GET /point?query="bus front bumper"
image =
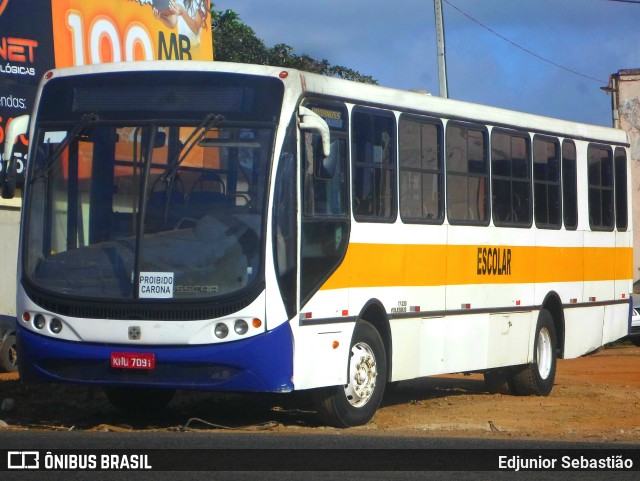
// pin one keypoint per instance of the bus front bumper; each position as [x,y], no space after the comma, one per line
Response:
[262,363]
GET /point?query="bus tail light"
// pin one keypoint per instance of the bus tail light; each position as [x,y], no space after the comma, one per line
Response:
[256,323]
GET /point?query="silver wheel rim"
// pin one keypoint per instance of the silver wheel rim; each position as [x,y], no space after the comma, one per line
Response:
[544,353]
[363,373]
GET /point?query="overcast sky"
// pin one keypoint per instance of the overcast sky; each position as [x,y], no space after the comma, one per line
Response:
[394,42]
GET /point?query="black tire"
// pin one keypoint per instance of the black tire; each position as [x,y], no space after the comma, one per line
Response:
[139,399]
[9,354]
[536,379]
[354,404]
[499,381]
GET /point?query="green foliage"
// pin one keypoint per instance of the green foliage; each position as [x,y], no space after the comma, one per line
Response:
[233,41]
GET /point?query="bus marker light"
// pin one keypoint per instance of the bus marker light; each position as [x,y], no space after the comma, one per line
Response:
[574,301]
[256,323]
[39,321]
[26,317]
[466,306]
[48,75]
[284,74]
[335,344]
[518,302]
[345,312]
[592,299]
[305,315]
[414,308]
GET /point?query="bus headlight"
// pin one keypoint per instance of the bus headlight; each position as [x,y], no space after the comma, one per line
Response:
[39,321]
[221,330]
[241,327]
[55,325]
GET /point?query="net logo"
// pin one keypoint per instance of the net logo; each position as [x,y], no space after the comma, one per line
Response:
[23,460]
[3,5]
[16,49]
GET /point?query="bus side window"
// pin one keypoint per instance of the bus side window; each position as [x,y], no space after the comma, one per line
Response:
[511,178]
[546,183]
[569,185]
[467,174]
[374,165]
[621,189]
[601,211]
[324,186]
[421,170]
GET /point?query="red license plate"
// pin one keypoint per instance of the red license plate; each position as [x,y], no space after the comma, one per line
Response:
[133,360]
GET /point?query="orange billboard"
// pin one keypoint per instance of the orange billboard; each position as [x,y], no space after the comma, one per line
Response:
[37,35]
[89,32]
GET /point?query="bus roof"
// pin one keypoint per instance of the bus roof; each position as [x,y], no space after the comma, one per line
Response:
[375,95]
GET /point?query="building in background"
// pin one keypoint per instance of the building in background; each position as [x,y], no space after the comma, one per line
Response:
[624,87]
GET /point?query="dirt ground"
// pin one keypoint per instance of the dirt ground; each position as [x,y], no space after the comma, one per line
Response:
[595,398]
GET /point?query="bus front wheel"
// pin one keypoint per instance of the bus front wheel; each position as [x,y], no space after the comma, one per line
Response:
[537,378]
[9,354]
[355,403]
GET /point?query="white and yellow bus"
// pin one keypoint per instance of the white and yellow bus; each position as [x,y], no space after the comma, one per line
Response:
[233,227]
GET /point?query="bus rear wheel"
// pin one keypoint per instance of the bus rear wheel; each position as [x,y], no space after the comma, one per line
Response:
[355,403]
[536,379]
[139,399]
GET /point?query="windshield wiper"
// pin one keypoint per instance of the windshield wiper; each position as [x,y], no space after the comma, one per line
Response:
[196,136]
[77,129]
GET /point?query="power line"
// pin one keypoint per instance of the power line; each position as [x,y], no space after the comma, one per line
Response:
[526,50]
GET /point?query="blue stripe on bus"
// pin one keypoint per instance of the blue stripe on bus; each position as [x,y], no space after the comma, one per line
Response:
[263,363]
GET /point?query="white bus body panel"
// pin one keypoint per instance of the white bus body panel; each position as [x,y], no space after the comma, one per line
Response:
[161,333]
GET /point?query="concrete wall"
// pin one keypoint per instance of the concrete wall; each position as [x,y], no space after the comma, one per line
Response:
[9,231]
[625,86]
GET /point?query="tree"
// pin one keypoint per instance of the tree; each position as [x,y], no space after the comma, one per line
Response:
[234,41]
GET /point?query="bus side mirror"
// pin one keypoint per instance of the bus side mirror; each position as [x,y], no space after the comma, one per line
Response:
[15,129]
[309,120]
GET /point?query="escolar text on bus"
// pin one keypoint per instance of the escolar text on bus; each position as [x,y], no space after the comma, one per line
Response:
[494,261]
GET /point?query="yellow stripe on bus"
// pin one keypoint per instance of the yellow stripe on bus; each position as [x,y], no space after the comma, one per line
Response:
[388,265]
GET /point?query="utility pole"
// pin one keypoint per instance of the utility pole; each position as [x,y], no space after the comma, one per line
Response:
[442,61]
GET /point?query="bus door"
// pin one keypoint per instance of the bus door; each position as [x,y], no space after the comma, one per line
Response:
[325,224]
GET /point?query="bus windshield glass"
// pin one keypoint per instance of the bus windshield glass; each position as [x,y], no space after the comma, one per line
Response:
[127,202]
